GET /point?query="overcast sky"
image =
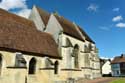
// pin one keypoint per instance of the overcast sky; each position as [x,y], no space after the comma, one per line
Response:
[103,20]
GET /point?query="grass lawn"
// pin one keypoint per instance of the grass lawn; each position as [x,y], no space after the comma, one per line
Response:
[118,81]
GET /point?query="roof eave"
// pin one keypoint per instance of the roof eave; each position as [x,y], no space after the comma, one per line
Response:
[30,53]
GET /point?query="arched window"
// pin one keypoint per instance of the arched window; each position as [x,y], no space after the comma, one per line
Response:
[75,55]
[56,67]
[0,64]
[48,63]
[32,66]
[20,61]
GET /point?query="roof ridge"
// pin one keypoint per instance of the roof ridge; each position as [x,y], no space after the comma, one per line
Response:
[14,14]
[39,8]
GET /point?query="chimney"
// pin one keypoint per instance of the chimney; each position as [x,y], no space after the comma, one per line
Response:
[122,55]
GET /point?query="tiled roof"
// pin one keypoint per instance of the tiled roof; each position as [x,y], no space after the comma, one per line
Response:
[20,34]
[44,15]
[69,28]
[86,36]
[118,59]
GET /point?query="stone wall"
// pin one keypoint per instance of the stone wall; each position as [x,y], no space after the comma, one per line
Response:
[12,74]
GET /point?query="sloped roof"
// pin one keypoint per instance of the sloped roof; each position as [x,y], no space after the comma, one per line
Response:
[69,28]
[20,34]
[86,36]
[6,16]
[44,15]
[118,59]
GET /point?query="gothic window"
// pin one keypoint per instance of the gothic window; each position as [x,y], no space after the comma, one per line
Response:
[32,66]
[20,61]
[75,55]
[0,64]
[56,67]
[48,63]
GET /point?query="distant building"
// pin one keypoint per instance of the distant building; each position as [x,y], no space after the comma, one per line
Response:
[106,67]
[118,66]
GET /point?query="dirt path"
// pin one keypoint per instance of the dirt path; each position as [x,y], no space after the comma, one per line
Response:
[98,80]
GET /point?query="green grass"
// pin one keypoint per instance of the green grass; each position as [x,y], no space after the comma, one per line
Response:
[118,81]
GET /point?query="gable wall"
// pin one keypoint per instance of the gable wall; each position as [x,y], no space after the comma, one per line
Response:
[54,27]
[35,17]
[106,68]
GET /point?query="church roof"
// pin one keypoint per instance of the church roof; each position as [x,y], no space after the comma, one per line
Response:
[69,28]
[86,36]
[20,34]
[44,15]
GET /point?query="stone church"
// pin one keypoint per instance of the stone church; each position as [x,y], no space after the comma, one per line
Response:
[46,48]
